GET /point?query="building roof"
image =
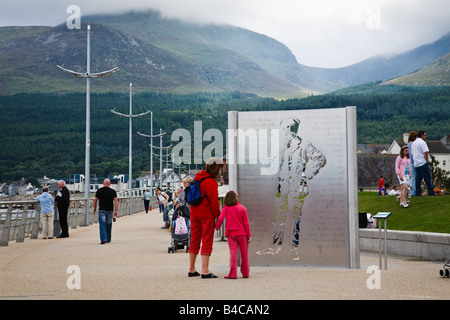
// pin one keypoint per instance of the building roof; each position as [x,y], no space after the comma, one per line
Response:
[371,148]
[436,146]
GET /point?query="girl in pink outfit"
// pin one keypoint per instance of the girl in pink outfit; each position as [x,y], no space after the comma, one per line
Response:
[403,171]
[237,230]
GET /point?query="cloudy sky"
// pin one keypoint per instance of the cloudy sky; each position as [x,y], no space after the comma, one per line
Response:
[323,33]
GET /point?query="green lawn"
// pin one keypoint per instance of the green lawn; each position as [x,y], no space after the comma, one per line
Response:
[428,214]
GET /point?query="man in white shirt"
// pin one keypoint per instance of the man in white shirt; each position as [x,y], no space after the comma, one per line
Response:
[420,153]
[394,191]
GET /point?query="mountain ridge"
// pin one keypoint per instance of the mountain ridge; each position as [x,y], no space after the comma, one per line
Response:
[172,56]
[383,68]
[151,68]
[435,74]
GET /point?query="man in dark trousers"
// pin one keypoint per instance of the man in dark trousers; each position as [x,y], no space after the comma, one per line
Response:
[109,204]
[63,201]
[420,152]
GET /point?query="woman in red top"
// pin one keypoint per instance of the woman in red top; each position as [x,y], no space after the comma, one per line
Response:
[203,218]
[237,230]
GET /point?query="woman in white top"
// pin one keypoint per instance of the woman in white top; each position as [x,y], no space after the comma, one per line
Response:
[162,198]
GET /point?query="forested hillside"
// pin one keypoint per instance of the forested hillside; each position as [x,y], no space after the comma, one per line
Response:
[44,134]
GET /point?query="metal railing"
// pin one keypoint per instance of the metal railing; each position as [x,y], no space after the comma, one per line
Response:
[21,219]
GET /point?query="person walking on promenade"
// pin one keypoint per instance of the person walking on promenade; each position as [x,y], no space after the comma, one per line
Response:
[411,138]
[237,230]
[47,212]
[147,196]
[62,202]
[203,218]
[108,207]
[420,154]
[403,171]
[162,199]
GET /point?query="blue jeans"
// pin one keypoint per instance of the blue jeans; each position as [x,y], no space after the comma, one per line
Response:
[105,219]
[424,173]
[166,212]
[413,181]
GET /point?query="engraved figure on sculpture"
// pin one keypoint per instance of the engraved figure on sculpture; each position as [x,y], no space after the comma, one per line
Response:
[300,162]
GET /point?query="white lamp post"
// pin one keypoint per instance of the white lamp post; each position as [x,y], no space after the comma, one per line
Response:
[88,75]
[151,136]
[130,161]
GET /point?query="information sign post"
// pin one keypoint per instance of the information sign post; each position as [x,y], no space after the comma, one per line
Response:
[382,216]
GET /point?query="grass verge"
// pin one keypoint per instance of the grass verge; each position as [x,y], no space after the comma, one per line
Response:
[425,213]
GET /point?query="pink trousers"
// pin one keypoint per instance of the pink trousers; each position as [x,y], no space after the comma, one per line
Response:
[241,242]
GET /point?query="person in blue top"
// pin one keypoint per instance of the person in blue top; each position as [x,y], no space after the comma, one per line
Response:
[383,190]
[46,201]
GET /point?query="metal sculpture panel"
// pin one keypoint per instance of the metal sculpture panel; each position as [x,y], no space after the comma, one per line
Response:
[291,170]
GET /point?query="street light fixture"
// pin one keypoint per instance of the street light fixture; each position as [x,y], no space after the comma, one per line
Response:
[151,136]
[160,155]
[88,75]
[130,161]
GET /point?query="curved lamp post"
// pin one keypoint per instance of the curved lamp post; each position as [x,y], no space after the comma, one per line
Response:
[88,75]
[130,159]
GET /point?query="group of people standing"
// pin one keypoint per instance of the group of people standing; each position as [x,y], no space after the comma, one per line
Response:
[207,217]
[108,207]
[411,167]
[46,200]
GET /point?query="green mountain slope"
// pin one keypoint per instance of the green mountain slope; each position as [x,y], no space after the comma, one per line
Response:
[30,58]
[198,40]
[170,56]
[194,39]
[434,74]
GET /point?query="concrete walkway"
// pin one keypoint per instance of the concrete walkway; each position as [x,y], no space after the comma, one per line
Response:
[136,265]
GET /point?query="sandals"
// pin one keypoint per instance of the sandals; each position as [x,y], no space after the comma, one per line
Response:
[204,276]
[208,276]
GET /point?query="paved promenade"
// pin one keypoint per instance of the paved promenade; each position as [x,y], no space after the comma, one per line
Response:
[136,265]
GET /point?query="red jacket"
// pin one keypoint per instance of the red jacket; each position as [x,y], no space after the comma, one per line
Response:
[210,206]
[237,221]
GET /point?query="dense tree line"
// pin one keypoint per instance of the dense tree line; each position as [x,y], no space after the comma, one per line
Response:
[42,134]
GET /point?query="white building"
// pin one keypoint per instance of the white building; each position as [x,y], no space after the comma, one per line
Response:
[169,179]
[146,181]
[77,183]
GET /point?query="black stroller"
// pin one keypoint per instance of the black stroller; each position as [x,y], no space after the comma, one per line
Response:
[180,235]
[445,271]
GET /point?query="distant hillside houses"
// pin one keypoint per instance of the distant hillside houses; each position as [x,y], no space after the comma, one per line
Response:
[376,160]
[76,183]
[120,183]
[17,188]
[168,178]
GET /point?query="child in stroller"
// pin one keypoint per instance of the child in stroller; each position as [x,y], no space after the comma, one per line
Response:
[180,235]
